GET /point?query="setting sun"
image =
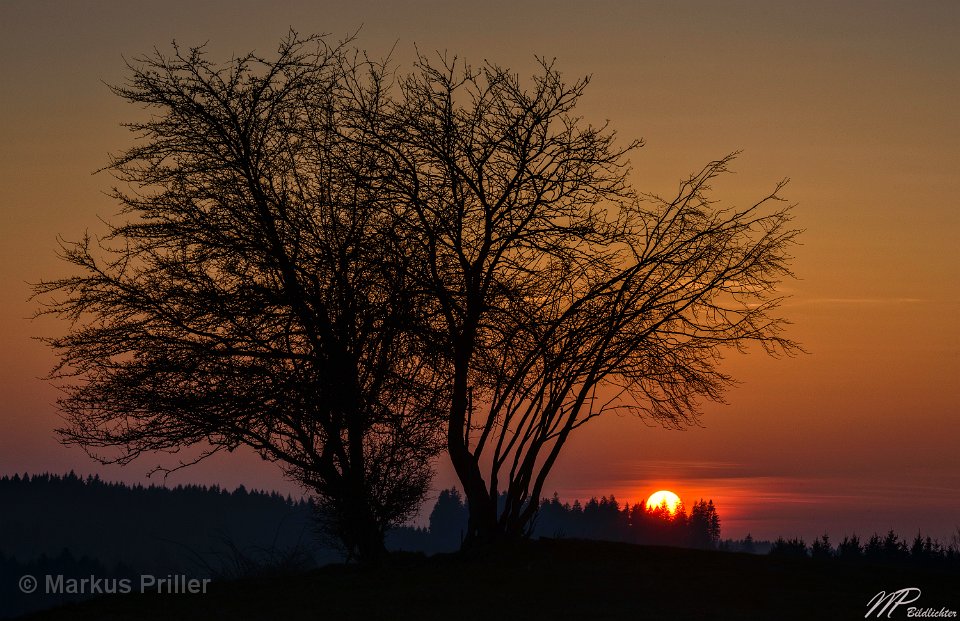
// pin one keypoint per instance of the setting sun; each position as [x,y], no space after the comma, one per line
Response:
[661,498]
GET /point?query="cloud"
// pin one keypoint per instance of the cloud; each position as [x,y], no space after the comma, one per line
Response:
[854,301]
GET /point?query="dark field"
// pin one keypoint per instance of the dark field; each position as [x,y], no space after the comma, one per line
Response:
[550,579]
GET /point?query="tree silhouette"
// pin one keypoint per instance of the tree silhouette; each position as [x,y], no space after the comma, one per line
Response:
[850,548]
[821,548]
[448,520]
[704,525]
[324,264]
[560,292]
[894,548]
[789,547]
[255,293]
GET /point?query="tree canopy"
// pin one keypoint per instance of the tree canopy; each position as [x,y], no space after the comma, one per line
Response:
[256,292]
[560,291]
[343,265]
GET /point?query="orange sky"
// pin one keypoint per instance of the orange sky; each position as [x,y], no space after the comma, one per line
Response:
[857,103]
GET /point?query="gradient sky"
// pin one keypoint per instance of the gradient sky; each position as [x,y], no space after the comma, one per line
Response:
[856,102]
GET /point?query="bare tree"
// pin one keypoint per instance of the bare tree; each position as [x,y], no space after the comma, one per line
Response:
[560,293]
[330,267]
[256,293]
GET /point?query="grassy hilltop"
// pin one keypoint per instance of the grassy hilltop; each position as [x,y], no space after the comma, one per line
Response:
[548,579]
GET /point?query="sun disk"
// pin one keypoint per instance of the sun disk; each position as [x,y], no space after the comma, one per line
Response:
[663,498]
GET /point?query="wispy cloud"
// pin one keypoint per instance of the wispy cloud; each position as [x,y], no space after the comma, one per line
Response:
[853,301]
[686,468]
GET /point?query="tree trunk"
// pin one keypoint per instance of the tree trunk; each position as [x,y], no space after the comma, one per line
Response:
[371,546]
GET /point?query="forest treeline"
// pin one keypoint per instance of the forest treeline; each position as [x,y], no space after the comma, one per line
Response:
[151,528]
[599,518]
[890,548]
[216,532]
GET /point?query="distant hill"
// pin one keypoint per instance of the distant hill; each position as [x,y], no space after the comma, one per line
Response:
[549,579]
[75,527]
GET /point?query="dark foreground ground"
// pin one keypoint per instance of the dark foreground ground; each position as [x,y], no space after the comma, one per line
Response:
[549,580]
